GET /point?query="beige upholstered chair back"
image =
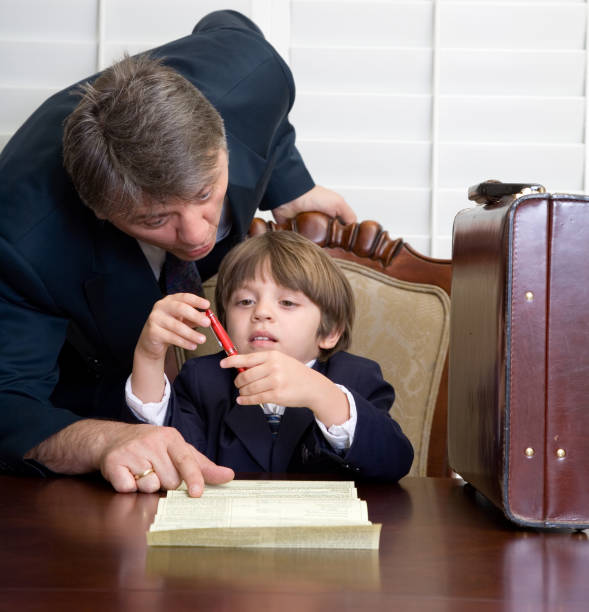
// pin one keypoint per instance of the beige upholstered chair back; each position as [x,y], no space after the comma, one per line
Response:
[405,328]
[401,324]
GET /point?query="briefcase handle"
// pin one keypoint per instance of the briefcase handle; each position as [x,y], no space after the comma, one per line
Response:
[490,192]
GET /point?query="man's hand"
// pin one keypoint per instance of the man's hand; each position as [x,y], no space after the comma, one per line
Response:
[120,451]
[319,198]
[138,448]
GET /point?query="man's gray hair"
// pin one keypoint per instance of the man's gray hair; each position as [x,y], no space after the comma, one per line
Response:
[141,133]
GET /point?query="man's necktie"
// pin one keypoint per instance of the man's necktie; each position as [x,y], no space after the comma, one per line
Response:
[179,276]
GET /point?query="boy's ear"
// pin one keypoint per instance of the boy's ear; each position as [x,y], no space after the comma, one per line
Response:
[329,341]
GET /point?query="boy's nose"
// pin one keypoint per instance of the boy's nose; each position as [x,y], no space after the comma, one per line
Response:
[259,316]
[262,311]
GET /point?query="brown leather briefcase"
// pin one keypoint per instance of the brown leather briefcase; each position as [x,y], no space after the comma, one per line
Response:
[518,413]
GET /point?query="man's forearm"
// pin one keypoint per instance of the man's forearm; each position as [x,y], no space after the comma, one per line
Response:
[78,448]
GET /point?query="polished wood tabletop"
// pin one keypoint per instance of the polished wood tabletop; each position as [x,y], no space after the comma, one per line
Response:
[74,544]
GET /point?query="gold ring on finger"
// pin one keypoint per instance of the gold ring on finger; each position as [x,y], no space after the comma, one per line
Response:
[147,472]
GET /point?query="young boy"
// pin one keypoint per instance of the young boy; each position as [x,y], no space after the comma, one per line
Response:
[301,404]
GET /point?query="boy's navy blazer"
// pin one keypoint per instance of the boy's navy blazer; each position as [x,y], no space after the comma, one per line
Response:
[60,265]
[202,407]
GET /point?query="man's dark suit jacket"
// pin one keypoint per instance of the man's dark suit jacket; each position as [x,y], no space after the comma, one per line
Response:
[202,407]
[60,264]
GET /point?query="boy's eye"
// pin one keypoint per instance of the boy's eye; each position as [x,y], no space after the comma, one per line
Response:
[287,303]
[245,302]
[205,195]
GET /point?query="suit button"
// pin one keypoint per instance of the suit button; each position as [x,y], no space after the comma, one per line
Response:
[305,454]
[95,367]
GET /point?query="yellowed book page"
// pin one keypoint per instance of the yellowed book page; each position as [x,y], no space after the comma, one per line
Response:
[350,537]
[282,488]
[186,512]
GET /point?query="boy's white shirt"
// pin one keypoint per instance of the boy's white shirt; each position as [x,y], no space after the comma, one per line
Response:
[340,437]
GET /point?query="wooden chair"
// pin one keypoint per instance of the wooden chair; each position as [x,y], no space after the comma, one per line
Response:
[402,322]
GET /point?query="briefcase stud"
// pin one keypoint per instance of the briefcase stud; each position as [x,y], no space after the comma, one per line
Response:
[529,296]
[561,453]
[529,452]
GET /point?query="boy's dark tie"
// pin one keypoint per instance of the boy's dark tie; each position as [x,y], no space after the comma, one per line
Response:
[274,423]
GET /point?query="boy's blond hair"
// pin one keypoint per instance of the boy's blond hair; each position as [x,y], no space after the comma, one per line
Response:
[299,264]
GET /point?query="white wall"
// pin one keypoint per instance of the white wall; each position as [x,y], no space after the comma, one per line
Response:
[401,104]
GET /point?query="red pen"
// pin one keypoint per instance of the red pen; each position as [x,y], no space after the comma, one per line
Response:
[224,339]
[222,336]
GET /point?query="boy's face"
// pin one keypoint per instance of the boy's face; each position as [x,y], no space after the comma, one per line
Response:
[263,316]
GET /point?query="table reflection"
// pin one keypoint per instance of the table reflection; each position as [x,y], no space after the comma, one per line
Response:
[294,568]
[88,510]
[545,570]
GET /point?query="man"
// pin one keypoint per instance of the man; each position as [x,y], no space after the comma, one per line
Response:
[151,168]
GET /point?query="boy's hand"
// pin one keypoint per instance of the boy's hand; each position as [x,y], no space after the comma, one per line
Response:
[272,376]
[172,321]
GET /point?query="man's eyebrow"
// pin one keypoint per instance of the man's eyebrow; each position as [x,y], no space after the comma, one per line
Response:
[151,215]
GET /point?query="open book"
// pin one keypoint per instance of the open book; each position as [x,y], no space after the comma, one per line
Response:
[266,514]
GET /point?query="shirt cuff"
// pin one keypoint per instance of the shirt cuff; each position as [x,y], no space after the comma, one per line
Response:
[340,437]
[151,412]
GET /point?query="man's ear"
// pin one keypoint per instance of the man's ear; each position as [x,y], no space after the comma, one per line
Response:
[329,341]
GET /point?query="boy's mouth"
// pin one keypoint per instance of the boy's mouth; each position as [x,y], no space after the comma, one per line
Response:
[261,337]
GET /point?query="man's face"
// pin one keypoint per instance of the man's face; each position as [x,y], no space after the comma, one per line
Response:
[186,228]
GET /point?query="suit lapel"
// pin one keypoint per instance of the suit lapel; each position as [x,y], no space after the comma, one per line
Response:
[249,424]
[122,291]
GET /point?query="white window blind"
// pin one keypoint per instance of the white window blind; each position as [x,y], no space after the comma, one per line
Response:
[401,104]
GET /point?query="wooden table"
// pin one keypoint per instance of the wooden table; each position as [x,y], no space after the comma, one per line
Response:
[74,544]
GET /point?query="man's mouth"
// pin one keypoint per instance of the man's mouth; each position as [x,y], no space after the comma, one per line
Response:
[199,251]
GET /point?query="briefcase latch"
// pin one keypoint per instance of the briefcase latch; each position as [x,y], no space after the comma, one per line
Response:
[490,192]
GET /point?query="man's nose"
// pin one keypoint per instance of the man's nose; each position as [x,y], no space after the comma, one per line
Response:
[193,229]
